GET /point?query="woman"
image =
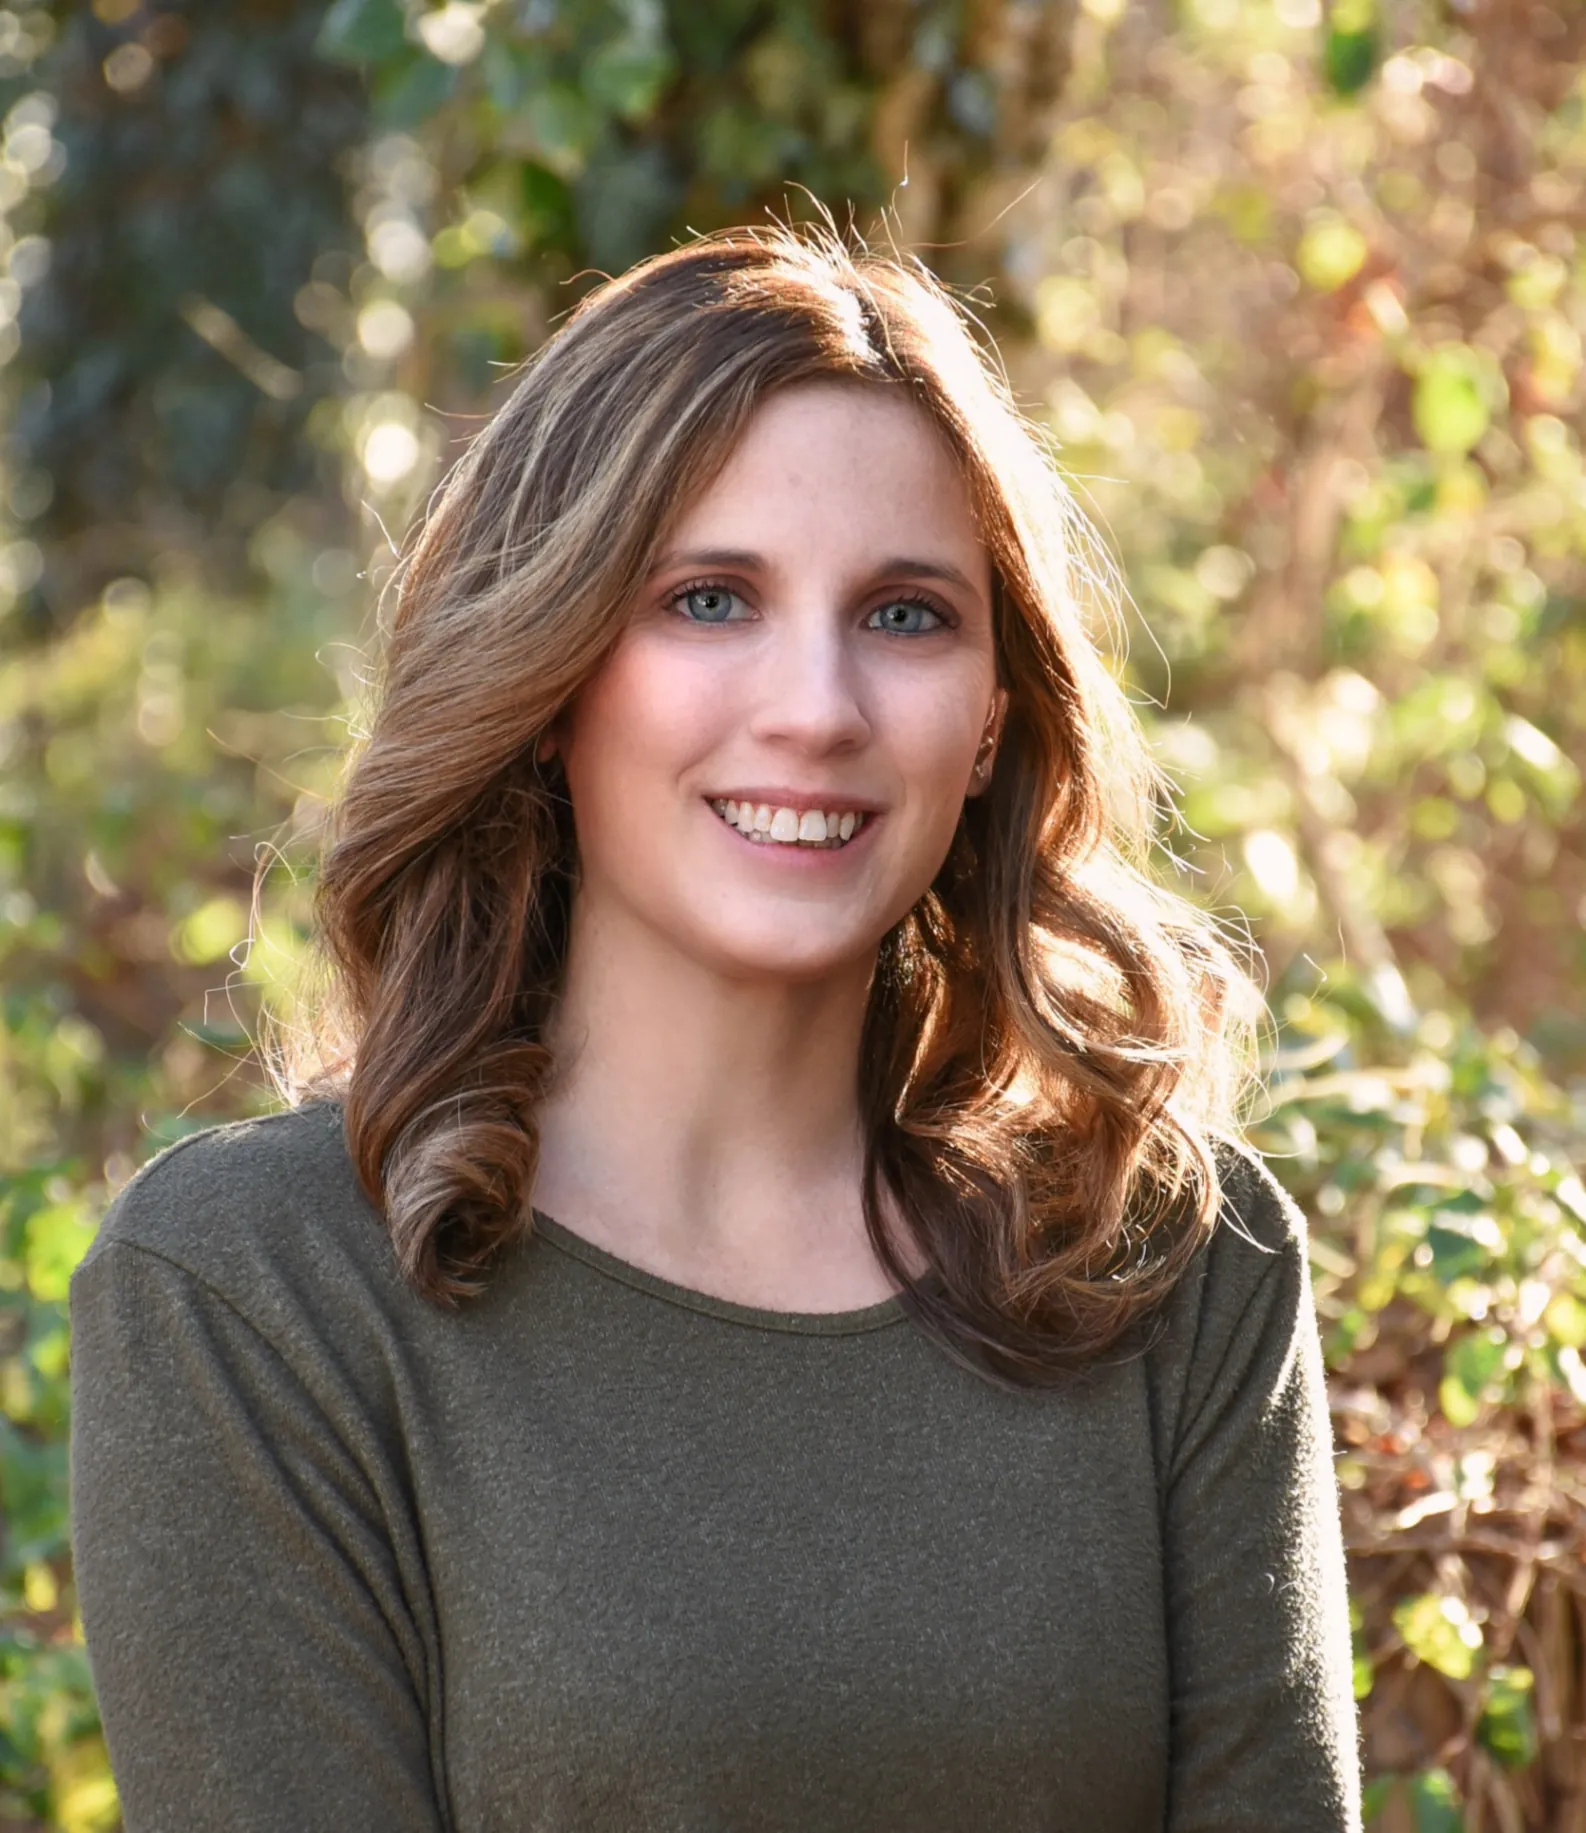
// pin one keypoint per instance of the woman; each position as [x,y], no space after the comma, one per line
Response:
[763,1322]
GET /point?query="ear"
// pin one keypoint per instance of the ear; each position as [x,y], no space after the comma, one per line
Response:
[998,714]
[549,743]
[991,738]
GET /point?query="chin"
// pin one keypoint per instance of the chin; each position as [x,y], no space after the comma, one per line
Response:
[783,952]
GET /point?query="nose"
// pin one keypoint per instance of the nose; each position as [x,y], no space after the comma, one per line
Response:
[811,691]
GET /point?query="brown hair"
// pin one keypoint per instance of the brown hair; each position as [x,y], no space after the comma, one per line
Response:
[1055,1043]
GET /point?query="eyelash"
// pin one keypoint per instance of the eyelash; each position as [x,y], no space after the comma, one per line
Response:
[925,602]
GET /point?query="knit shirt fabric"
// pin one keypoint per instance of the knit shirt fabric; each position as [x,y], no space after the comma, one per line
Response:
[597,1553]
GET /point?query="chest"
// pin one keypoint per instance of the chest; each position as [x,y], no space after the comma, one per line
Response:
[794,1586]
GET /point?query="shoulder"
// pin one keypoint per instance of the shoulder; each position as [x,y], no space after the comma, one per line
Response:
[239,1160]
[236,1188]
[1258,1231]
[1243,1304]
[1259,1225]
[1257,1246]
[267,1214]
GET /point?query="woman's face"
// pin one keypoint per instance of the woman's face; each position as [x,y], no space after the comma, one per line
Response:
[767,771]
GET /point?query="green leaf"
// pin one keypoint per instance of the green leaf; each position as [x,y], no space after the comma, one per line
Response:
[362,32]
[1470,1366]
[1431,1798]
[414,88]
[510,70]
[1331,251]
[1450,407]
[1376,1795]
[1435,1802]
[210,932]
[628,78]
[1349,58]
[1507,1726]
[33,1482]
[563,125]
[621,204]
[57,1239]
[1458,1405]
[1454,1254]
[547,205]
[740,147]
[1565,1319]
[1439,1631]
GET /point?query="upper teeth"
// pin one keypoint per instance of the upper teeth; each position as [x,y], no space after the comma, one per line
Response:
[787,826]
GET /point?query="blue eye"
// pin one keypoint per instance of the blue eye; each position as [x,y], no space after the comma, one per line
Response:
[906,617]
[706,604]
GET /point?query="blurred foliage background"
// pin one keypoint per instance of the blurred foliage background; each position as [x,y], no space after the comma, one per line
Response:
[1300,291]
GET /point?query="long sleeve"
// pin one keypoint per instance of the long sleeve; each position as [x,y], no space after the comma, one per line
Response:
[256,1665]
[1264,1735]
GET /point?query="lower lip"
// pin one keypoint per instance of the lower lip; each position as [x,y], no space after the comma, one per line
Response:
[808,857]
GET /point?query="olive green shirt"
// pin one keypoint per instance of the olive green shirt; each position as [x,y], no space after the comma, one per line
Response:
[601,1554]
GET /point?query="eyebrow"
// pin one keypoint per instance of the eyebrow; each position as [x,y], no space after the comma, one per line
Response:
[909,566]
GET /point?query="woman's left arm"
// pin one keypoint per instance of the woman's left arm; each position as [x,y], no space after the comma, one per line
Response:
[1264,1735]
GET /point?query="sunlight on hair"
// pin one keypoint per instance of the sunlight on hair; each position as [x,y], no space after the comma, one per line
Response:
[1058,1043]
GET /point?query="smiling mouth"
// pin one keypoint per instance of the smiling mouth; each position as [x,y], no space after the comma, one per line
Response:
[769,826]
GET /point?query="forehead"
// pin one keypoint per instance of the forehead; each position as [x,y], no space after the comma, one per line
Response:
[840,459]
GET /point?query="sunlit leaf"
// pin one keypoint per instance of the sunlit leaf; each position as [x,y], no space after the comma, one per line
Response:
[57,1239]
[1451,405]
[1331,251]
[1470,1365]
[453,32]
[1565,1319]
[210,932]
[1439,1630]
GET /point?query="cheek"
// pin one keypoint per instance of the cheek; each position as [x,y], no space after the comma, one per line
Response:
[635,726]
[935,730]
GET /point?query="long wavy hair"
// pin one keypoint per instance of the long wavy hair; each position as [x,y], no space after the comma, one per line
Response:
[1056,1046]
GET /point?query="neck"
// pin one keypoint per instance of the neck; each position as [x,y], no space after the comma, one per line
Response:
[705,1125]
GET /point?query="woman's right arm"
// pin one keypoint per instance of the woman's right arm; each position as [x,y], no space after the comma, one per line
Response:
[256,1664]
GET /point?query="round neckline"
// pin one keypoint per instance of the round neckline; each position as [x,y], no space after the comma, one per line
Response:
[758,1317]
